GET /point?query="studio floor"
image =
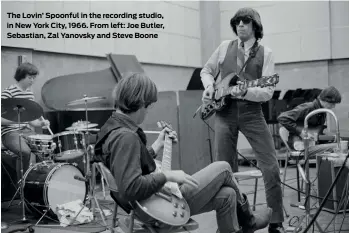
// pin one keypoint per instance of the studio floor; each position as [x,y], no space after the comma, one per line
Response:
[207,221]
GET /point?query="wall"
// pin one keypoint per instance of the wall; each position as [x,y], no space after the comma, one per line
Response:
[178,43]
[310,44]
[52,65]
[298,31]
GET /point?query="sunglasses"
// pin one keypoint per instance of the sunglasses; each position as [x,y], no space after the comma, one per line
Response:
[244,19]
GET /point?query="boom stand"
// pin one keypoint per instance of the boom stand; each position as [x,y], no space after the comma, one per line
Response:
[20,109]
[307,176]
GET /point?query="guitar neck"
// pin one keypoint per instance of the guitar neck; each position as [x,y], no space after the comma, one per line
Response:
[246,84]
[167,155]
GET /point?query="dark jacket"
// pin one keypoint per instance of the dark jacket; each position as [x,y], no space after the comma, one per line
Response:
[121,145]
[293,120]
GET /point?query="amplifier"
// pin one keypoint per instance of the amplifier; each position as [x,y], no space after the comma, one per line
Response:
[327,172]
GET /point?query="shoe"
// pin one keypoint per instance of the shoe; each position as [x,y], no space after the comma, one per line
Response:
[278,229]
[250,221]
[239,231]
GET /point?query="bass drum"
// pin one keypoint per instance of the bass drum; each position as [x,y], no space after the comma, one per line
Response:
[49,184]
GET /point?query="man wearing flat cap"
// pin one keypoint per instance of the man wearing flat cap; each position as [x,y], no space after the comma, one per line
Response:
[243,111]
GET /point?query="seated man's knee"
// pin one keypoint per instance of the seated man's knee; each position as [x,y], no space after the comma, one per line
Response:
[223,165]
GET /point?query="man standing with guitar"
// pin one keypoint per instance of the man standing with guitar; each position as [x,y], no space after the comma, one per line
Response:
[121,145]
[249,60]
[293,121]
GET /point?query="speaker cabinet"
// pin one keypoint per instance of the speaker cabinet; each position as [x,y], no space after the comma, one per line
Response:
[327,172]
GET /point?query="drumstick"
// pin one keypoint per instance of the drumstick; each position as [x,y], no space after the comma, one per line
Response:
[48,127]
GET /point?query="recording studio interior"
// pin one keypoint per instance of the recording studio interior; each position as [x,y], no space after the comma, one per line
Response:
[276,117]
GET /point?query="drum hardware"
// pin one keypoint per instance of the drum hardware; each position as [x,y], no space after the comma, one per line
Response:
[90,178]
[24,110]
[44,195]
[71,145]
[90,174]
[41,145]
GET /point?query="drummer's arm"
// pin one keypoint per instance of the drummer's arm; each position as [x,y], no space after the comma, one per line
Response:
[36,123]
[6,122]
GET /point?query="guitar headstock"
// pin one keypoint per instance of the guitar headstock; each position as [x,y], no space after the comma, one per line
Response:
[268,80]
[164,124]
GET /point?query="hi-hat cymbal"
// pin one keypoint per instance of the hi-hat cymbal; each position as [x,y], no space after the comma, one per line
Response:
[85,100]
[29,110]
[81,127]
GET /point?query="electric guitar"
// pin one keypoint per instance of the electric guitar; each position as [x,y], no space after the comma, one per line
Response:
[224,88]
[315,133]
[167,207]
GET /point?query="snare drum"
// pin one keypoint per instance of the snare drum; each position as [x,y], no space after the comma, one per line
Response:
[49,184]
[69,145]
[40,143]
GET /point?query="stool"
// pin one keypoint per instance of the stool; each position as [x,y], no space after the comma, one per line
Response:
[254,174]
[8,174]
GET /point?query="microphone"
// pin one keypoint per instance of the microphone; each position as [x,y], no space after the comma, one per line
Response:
[77,177]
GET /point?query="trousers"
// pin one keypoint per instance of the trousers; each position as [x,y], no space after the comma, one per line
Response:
[219,191]
[12,141]
[247,117]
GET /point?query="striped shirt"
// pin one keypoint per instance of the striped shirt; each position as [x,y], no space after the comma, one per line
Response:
[14,91]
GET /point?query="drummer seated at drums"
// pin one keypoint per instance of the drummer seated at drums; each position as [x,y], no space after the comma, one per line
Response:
[25,76]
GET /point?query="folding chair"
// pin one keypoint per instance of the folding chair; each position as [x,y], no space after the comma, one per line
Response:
[292,155]
[129,227]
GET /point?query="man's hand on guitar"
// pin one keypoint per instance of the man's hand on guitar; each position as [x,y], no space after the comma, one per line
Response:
[180,177]
[171,134]
[310,136]
[208,94]
[237,91]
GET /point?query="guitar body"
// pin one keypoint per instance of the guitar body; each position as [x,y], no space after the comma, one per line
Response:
[223,90]
[158,210]
[168,207]
[298,143]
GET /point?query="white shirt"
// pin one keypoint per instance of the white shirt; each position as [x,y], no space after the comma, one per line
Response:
[255,94]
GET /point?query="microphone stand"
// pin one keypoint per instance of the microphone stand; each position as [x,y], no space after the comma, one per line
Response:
[327,195]
[306,157]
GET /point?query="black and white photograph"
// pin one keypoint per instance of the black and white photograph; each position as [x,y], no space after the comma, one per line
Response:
[174,116]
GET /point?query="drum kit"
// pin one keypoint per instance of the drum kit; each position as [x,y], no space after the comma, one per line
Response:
[53,181]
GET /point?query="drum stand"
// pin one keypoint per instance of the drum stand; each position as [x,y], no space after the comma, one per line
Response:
[20,189]
[90,177]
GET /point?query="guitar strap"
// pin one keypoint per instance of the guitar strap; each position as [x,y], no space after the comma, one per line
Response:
[252,54]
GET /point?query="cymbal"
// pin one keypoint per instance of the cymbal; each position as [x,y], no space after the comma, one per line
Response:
[85,100]
[29,110]
[88,130]
[81,127]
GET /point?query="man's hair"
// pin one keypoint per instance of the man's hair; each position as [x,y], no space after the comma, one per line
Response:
[256,21]
[331,95]
[133,92]
[25,69]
